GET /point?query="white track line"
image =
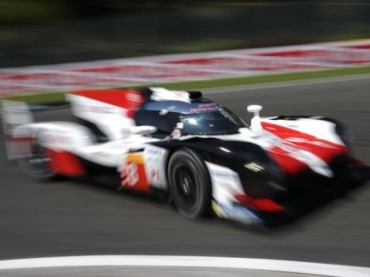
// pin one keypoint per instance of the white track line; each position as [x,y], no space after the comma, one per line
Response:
[189,262]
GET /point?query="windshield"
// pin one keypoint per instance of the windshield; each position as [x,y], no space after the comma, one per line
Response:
[216,122]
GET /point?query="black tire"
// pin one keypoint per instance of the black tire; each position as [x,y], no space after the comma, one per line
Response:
[37,164]
[190,184]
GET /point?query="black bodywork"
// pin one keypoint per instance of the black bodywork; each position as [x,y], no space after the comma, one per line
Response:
[298,195]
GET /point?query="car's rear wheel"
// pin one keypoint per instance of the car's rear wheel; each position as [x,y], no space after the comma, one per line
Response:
[37,164]
[190,184]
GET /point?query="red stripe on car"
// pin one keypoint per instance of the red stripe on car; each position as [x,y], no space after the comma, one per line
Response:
[323,149]
[127,99]
[64,163]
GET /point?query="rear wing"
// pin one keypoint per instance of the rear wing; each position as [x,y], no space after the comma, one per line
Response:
[14,114]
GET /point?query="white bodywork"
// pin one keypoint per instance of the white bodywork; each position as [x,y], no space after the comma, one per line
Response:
[77,139]
[111,119]
[124,135]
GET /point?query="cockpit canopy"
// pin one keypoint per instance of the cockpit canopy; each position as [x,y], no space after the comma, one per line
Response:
[200,116]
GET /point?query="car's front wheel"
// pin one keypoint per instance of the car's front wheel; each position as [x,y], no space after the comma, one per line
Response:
[190,184]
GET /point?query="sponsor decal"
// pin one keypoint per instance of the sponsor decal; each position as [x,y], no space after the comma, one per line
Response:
[155,160]
[130,175]
[153,153]
[254,167]
[204,108]
[133,172]
[235,212]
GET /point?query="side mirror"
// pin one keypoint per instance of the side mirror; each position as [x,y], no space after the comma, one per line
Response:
[256,120]
[143,130]
[254,109]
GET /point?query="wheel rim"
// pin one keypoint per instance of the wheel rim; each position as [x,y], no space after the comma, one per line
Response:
[185,182]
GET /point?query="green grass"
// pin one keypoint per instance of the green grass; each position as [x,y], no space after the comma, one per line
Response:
[54,97]
[40,98]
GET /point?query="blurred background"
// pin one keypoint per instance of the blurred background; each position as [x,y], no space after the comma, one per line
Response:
[35,32]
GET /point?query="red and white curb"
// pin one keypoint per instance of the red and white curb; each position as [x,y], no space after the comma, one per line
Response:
[189,262]
[184,67]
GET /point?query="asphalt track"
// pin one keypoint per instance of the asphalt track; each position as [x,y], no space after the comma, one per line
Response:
[45,219]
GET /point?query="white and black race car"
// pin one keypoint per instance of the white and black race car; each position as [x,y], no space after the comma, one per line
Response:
[198,153]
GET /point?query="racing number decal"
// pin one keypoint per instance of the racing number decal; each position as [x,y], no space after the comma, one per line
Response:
[133,172]
[130,175]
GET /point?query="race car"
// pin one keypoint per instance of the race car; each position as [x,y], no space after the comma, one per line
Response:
[196,152]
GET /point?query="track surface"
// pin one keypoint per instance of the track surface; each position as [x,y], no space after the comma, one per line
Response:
[39,219]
